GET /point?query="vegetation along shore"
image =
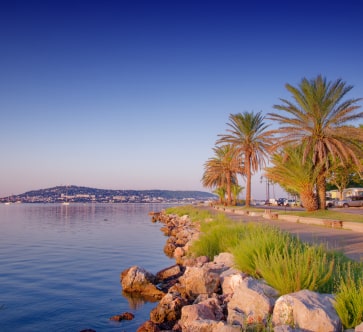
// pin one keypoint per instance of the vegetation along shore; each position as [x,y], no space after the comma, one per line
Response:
[246,276]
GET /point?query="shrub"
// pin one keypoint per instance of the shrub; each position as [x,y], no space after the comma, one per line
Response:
[257,240]
[295,267]
[216,237]
[349,296]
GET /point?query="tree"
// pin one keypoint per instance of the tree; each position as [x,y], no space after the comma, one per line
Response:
[340,176]
[293,176]
[222,169]
[221,193]
[247,134]
[318,120]
[236,190]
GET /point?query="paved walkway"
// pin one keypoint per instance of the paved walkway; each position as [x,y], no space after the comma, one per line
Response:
[346,241]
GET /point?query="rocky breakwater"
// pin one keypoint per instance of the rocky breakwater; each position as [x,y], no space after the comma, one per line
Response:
[197,294]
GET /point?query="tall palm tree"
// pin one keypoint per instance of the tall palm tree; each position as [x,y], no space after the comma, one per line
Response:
[222,169]
[318,120]
[247,133]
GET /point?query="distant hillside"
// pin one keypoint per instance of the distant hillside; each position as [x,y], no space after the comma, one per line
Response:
[86,194]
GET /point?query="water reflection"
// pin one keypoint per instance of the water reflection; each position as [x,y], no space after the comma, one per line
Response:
[136,301]
[63,264]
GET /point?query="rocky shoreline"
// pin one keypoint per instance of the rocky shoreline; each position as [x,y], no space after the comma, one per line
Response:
[197,294]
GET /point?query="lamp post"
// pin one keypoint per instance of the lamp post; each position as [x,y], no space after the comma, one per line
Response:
[267,188]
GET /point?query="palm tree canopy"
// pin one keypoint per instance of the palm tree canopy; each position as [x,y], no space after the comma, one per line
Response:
[247,133]
[218,168]
[288,171]
[293,176]
[319,121]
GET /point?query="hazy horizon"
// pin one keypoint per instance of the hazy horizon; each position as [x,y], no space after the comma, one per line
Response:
[133,94]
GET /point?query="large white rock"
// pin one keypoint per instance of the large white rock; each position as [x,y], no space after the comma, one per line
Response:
[252,302]
[307,310]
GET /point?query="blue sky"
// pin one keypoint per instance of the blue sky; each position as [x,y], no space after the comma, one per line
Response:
[133,94]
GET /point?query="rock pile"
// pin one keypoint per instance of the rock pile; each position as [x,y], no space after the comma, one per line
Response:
[212,296]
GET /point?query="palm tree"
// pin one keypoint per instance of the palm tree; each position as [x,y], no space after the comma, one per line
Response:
[236,190]
[222,169]
[318,121]
[221,193]
[293,176]
[247,133]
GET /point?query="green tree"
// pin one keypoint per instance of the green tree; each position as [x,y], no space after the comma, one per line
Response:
[221,170]
[236,190]
[318,120]
[293,176]
[247,133]
[221,193]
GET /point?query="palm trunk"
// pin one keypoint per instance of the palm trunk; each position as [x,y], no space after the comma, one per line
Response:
[248,183]
[320,186]
[229,196]
[308,200]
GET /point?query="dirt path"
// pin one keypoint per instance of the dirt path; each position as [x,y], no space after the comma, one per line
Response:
[346,241]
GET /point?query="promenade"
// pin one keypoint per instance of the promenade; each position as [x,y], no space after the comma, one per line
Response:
[347,241]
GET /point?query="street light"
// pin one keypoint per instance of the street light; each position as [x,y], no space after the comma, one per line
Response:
[267,181]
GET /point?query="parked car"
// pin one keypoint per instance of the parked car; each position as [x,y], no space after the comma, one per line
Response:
[281,201]
[356,201]
[329,202]
[271,201]
[291,202]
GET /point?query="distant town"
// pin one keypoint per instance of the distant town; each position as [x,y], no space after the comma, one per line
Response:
[76,194]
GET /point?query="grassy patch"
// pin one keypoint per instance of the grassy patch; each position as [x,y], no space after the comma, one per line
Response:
[323,214]
[194,213]
[327,214]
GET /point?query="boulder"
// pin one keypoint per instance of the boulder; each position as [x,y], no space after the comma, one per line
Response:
[179,253]
[199,280]
[224,258]
[252,302]
[168,309]
[138,280]
[196,315]
[173,271]
[230,280]
[123,316]
[148,326]
[307,310]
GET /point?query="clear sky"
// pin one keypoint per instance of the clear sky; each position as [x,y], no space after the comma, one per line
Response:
[133,94]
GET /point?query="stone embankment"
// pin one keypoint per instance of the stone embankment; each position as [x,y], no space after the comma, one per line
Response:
[200,295]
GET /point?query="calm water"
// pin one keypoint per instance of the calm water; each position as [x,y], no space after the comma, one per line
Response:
[60,265]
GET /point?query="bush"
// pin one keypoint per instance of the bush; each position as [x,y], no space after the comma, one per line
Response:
[349,296]
[296,267]
[257,240]
[216,237]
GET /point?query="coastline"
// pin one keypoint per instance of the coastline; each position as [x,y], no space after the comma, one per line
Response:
[195,286]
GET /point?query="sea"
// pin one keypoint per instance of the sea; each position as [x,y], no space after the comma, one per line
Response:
[60,265]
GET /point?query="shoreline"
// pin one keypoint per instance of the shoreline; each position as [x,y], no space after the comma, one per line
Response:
[196,283]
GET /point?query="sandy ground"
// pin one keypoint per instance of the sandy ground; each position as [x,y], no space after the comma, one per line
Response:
[346,241]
